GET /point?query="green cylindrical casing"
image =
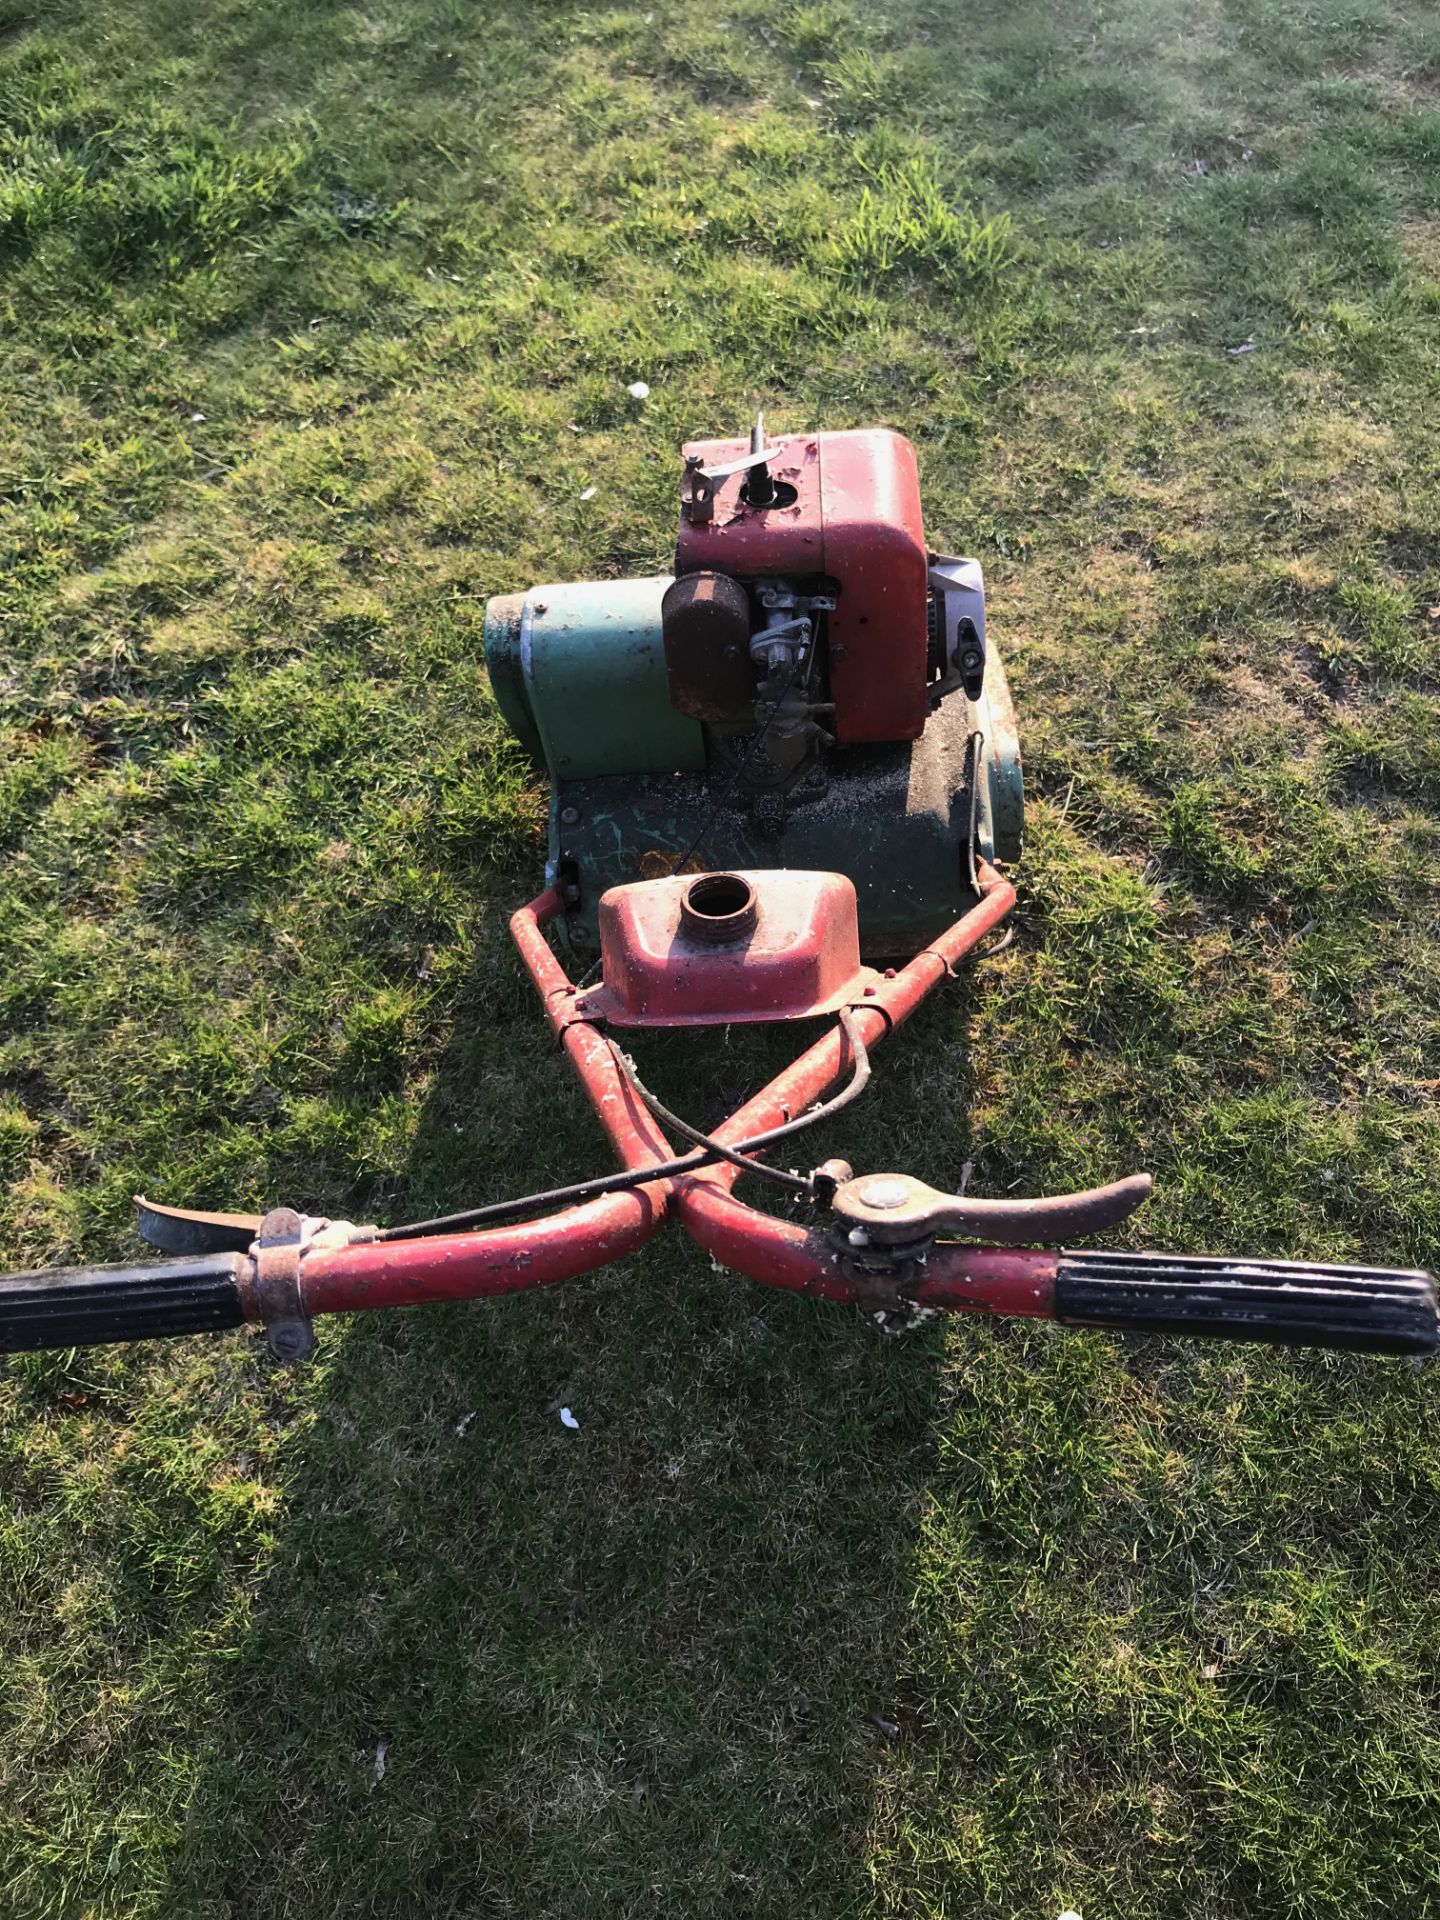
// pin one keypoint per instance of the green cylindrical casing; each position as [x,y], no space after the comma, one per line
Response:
[579,674]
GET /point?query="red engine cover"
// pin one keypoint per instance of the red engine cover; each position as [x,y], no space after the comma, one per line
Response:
[856,517]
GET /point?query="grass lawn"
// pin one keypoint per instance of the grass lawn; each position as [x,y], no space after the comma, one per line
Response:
[318,323]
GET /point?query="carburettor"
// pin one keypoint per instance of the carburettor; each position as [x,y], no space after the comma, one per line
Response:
[812,688]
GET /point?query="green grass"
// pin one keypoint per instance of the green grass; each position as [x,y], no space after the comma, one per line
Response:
[318,324]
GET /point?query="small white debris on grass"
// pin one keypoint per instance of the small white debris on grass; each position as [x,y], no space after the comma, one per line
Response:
[1246,346]
[589,493]
[382,1747]
[638,390]
[567,1419]
[462,1425]
[1069,1914]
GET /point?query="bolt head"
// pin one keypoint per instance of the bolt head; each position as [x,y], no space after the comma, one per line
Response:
[291,1339]
[883,1195]
[570,816]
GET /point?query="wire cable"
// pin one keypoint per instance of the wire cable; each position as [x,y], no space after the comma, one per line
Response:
[796,1182]
[702,1156]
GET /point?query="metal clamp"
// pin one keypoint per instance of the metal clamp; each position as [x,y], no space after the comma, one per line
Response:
[575,1014]
[958,588]
[273,1295]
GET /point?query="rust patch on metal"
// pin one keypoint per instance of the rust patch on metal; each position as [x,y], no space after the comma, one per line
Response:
[270,1293]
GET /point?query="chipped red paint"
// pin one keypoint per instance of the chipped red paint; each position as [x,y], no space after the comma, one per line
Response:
[795,953]
[474,1266]
[634,1135]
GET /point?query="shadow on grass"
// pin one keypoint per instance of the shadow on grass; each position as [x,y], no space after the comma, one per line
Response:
[502,1666]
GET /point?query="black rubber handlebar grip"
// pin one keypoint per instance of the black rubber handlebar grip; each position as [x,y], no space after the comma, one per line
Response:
[90,1306]
[1289,1303]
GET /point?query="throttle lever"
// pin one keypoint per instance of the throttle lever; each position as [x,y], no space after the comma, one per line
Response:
[892,1209]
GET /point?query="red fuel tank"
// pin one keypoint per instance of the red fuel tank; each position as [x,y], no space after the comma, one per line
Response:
[849,508]
[713,949]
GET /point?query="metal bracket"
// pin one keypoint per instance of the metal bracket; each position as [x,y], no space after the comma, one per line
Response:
[697,494]
[874,1006]
[959,590]
[575,1014]
[274,1292]
[885,1278]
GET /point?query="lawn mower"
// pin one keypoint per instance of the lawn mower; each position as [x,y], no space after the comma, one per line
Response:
[784,786]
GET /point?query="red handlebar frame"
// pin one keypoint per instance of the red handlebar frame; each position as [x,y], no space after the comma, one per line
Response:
[777,1253]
